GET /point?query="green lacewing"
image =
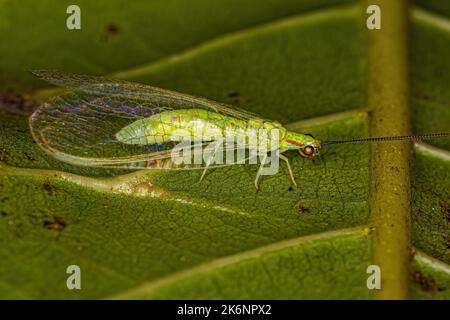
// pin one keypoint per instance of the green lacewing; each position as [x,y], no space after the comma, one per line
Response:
[118,124]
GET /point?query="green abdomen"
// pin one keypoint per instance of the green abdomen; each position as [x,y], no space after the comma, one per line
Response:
[168,125]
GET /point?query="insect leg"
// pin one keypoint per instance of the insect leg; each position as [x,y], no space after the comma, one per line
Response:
[204,171]
[282,157]
[208,161]
[263,161]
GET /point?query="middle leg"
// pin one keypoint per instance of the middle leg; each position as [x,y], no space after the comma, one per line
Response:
[208,161]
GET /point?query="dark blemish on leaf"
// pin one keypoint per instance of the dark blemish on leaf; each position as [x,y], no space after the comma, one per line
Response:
[111,30]
[17,103]
[302,209]
[56,224]
[234,94]
[50,188]
[29,157]
[394,168]
[427,283]
[237,98]
[3,213]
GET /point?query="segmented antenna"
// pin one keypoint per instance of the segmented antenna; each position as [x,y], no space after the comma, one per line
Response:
[418,137]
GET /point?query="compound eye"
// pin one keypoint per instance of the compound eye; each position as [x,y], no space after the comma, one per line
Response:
[309,135]
[308,150]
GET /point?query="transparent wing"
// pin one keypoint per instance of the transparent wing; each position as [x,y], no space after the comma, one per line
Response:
[80,128]
[130,90]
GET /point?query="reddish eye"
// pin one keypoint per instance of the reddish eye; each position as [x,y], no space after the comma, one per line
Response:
[308,150]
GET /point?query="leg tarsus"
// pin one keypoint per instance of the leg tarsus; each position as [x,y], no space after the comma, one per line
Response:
[256,184]
[203,174]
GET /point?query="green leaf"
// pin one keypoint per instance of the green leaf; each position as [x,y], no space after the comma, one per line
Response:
[162,235]
[117,36]
[430,208]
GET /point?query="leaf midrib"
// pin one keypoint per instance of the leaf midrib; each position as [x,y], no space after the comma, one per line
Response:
[389,190]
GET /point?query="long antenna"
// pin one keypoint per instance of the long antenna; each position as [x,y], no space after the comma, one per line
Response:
[418,137]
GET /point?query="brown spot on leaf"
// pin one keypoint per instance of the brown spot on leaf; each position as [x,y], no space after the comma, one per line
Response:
[394,168]
[111,30]
[28,156]
[427,283]
[56,224]
[303,209]
[17,103]
[237,99]
[49,188]
[234,94]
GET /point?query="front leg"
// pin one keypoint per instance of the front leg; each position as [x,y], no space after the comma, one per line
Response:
[282,157]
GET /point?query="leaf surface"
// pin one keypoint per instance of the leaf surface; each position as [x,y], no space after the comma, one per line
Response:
[162,235]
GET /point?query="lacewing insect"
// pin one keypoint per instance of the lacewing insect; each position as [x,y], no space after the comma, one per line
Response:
[117,124]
